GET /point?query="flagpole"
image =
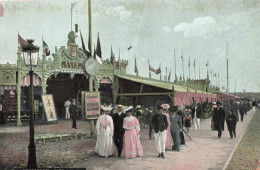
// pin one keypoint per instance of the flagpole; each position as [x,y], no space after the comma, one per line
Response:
[182,64]
[166,75]
[199,71]
[227,67]
[189,67]
[149,69]
[175,66]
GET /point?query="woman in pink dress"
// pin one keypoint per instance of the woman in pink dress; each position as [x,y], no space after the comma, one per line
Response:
[169,140]
[132,143]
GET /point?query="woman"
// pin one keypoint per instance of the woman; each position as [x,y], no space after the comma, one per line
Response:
[132,143]
[214,106]
[105,129]
[169,140]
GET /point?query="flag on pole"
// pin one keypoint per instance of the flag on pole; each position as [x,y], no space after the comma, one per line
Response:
[129,48]
[169,77]
[46,48]
[158,71]
[99,60]
[189,62]
[136,66]
[194,63]
[207,64]
[151,68]
[85,49]
[21,41]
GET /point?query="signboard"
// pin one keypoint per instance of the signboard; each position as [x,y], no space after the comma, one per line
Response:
[92,67]
[49,107]
[92,105]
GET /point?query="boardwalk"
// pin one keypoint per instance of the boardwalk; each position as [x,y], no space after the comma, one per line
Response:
[204,151]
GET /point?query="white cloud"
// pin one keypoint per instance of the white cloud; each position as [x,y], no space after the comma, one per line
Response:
[201,27]
[120,12]
[166,29]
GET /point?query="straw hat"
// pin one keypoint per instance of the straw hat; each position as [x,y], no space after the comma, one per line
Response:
[165,106]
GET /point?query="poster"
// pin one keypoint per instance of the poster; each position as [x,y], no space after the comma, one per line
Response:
[49,107]
[92,105]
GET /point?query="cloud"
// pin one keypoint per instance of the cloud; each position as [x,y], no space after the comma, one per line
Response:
[204,27]
[166,29]
[120,12]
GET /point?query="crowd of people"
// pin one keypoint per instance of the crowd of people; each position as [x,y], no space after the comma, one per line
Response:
[118,129]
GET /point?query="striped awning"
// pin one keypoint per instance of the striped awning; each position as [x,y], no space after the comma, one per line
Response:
[26,80]
[8,87]
[105,80]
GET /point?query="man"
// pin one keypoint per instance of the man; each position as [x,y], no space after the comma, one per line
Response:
[218,118]
[196,115]
[160,125]
[231,124]
[67,105]
[73,111]
[149,116]
[105,130]
[118,119]
[242,110]
[176,128]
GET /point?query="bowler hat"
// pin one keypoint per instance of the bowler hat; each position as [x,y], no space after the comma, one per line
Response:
[158,107]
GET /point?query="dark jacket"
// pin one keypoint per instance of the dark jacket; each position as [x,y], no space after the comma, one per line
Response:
[118,123]
[218,118]
[73,109]
[231,122]
[159,122]
[198,112]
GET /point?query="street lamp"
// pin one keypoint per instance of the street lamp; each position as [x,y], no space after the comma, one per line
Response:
[31,53]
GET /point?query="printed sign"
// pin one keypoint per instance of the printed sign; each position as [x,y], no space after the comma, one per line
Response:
[49,107]
[92,105]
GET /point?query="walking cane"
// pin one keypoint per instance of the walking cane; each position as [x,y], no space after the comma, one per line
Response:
[186,133]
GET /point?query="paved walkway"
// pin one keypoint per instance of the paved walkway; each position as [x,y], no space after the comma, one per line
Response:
[204,151]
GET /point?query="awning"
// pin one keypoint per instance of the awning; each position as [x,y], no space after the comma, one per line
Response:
[105,80]
[26,80]
[8,87]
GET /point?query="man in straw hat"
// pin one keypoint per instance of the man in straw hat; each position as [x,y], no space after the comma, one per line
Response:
[160,125]
[119,131]
[196,115]
[105,130]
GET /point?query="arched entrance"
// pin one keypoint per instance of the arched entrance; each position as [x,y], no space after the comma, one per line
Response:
[65,86]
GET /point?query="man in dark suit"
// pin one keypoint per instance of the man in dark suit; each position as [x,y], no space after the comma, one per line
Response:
[160,125]
[196,115]
[219,118]
[74,112]
[118,119]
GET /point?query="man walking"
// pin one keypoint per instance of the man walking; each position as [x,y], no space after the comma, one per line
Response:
[73,111]
[196,115]
[118,119]
[160,125]
[218,118]
[67,105]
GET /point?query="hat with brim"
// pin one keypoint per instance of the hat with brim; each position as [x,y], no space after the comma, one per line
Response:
[138,107]
[120,106]
[165,106]
[173,109]
[106,109]
[213,103]
[129,109]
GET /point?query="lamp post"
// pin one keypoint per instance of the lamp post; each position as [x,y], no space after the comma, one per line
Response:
[31,53]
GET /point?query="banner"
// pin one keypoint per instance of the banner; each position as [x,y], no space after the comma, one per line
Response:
[92,105]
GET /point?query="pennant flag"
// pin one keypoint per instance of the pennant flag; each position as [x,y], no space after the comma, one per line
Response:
[169,77]
[158,71]
[151,68]
[85,49]
[207,63]
[21,41]
[189,62]
[99,60]
[194,63]
[135,66]
[129,48]
[1,10]
[46,48]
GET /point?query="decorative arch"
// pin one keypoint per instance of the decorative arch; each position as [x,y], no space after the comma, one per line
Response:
[105,80]
[25,81]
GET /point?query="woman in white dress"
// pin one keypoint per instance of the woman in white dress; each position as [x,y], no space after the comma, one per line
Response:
[105,129]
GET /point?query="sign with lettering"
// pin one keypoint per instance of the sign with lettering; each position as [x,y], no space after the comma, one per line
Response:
[67,64]
[92,105]
[49,107]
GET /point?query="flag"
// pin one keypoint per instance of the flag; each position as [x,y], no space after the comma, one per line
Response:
[1,10]
[86,50]
[21,41]
[135,66]
[169,77]
[189,62]
[99,60]
[46,48]
[158,71]
[129,48]
[194,63]
[151,68]
[207,64]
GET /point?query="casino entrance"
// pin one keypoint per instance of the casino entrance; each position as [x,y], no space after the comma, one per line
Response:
[65,86]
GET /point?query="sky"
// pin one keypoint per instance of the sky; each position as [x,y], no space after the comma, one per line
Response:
[200,29]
